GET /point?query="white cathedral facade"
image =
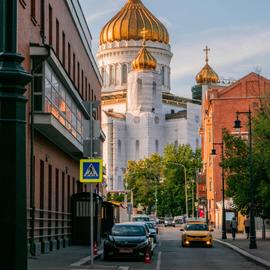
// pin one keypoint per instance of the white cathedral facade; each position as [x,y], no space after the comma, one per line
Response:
[139,114]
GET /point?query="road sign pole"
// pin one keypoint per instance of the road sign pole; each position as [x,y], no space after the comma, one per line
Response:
[91,226]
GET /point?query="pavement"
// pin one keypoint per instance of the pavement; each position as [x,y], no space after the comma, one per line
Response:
[70,258]
[241,245]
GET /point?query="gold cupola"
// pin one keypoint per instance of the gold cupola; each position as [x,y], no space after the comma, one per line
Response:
[144,60]
[129,23]
[207,75]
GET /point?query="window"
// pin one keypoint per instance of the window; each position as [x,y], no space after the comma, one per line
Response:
[50,25]
[157,146]
[60,104]
[68,193]
[92,94]
[63,192]
[119,148]
[73,186]
[124,73]
[82,89]
[137,148]
[50,187]
[139,84]
[33,9]
[172,111]
[57,37]
[111,76]
[163,75]
[154,89]
[64,49]
[41,187]
[56,189]
[74,68]
[69,60]
[85,91]
[78,76]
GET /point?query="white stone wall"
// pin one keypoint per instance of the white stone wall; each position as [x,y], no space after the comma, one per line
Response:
[112,56]
[193,125]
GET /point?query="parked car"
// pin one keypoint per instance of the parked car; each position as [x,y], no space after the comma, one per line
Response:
[152,230]
[140,218]
[127,239]
[196,233]
[169,221]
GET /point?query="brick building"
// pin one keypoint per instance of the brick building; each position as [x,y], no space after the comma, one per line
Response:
[55,40]
[219,108]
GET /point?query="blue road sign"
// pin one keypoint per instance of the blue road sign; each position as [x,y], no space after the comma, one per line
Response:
[91,171]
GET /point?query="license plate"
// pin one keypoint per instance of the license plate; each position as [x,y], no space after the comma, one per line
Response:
[125,250]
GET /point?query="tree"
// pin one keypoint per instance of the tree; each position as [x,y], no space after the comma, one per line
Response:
[164,175]
[236,166]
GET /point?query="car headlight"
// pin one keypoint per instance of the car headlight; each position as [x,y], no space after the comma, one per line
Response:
[143,244]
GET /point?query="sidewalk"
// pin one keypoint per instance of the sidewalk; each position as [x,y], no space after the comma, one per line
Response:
[261,255]
[70,258]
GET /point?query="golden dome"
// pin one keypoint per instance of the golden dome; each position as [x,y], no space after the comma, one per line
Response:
[144,61]
[207,75]
[133,22]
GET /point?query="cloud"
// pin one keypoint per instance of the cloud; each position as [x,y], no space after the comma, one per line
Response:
[230,47]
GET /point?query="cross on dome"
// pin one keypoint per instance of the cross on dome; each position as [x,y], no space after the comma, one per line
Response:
[206,50]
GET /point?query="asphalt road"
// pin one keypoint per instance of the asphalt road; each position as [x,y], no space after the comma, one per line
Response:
[169,255]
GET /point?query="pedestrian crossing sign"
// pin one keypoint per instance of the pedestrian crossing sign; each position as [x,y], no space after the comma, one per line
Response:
[91,170]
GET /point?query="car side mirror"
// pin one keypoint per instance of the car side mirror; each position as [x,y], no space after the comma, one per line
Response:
[181,230]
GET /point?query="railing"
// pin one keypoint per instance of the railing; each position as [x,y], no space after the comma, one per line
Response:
[48,225]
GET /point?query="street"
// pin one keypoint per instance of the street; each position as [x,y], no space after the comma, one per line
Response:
[169,255]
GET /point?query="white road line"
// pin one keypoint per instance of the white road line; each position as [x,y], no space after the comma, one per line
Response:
[81,261]
[159,260]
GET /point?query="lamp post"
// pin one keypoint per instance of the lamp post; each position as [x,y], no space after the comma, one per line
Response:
[185,174]
[13,79]
[224,235]
[237,125]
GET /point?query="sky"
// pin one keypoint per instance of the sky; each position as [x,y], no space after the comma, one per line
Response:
[237,32]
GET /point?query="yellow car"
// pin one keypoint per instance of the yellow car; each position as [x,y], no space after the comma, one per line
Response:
[197,234]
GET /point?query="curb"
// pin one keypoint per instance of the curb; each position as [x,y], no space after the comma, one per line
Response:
[246,254]
[87,259]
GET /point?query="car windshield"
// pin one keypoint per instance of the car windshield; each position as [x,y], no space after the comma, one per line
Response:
[128,230]
[168,219]
[150,225]
[140,219]
[197,227]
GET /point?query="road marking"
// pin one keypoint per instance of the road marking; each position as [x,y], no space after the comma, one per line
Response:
[159,260]
[81,261]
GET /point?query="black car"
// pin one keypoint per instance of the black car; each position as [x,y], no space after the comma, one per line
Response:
[127,239]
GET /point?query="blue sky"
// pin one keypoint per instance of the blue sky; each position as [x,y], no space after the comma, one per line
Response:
[237,31]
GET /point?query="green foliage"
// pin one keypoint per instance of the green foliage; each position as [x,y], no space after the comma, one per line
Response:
[236,165]
[166,176]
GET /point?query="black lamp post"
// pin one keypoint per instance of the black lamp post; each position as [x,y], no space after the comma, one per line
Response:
[237,125]
[224,235]
[13,80]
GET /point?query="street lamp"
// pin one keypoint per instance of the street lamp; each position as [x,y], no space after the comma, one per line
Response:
[213,153]
[185,173]
[237,125]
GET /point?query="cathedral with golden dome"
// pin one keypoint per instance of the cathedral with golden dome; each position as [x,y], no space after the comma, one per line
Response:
[140,115]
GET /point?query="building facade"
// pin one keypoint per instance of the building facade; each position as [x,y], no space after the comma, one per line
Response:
[219,108]
[55,40]
[139,114]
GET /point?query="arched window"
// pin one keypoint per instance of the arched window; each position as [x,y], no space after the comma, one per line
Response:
[157,146]
[154,89]
[139,84]
[124,73]
[112,75]
[137,148]
[119,148]
[163,75]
